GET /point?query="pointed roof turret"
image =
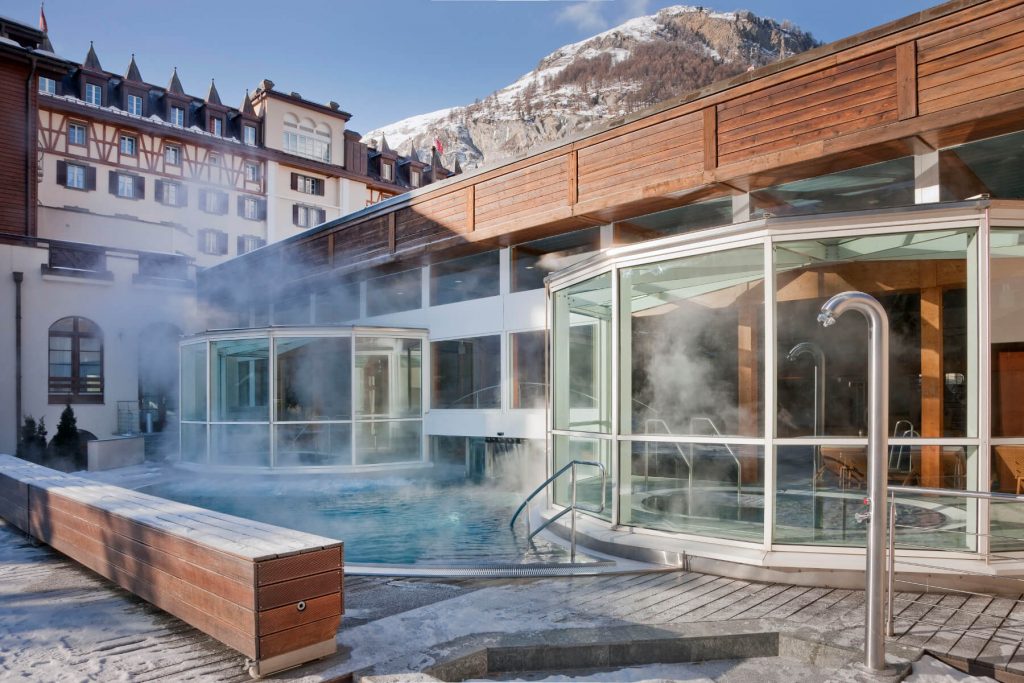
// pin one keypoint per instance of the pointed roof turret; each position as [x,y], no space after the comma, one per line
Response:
[412,155]
[435,160]
[91,60]
[213,97]
[132,74]
[246,107]
[458,167]
[174,87]
[384,148]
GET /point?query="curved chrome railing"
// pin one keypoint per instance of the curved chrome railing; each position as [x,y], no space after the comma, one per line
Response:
[573,506]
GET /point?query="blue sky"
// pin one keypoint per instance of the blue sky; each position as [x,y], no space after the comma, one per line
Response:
[381,60]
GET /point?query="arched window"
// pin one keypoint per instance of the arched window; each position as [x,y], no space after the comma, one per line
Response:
[76,361]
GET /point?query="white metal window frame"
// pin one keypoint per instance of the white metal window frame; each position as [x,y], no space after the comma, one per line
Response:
[77,134]
[94,94]
[75,176]
[129,145]
[172,155]
[125,186]
[47,85]
[178,117]
[134,105]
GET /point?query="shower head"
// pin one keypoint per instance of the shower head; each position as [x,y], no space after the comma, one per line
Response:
[826,318]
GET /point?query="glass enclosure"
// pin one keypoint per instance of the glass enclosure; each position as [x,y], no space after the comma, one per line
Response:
[697,371]
[303,397]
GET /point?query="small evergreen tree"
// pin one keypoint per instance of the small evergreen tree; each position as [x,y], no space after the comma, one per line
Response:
[32,439]
[65,441]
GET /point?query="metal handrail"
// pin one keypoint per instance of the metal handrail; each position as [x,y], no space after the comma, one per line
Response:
[571,466]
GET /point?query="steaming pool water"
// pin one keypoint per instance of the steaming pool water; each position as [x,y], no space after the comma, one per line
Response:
[427,520]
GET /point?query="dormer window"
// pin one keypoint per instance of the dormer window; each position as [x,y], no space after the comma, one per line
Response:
[135,105]
[94,94]
[249,133]
[47,85]
[414,178]
[217,126]
[178,117]
[387,171]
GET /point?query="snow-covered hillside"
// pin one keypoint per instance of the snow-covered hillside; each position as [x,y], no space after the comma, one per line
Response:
[634,65]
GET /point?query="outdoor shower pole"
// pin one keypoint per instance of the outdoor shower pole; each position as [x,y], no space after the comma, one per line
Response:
[878,428]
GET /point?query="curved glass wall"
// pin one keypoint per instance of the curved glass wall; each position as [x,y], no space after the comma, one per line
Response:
[303,397]
[696,369]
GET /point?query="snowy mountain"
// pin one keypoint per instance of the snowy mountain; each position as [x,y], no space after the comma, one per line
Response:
[639,63]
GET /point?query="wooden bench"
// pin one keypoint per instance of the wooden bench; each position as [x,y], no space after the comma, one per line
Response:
[273,594]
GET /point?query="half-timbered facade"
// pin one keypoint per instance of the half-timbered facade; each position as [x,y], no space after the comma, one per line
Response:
[643,294]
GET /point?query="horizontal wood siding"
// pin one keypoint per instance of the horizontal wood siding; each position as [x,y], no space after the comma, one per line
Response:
[657,154]
[310,255]
[361,242]
[14,158]
[431,220]
[534,189]
[969,63]
[841,99]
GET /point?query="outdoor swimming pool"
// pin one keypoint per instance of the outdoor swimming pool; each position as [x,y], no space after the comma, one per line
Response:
[426,520]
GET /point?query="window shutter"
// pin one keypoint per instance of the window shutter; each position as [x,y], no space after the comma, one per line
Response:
[113,182]
[222,242]
[295,181]
[321,215]
[224,209]
[295,214]
[140,187]
[261,209]
[320,187]
[241,206]
[239,244]
[62,172]
[90,178]
[158,191]
[182,195]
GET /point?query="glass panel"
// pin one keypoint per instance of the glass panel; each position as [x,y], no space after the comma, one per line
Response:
[338,303]
[240,445]
[822,488]
[994,167]
[588,478]
[394,293]
[387,442]
[467,373]
[705,489]
[1007,325]
[193,443]
[693,329]
[922,281]
[1007,518]
[314,378]
[193,383]
[471,277]
[675,221]
[877,186]
[239,382]
[307,445]
[533,261]
[389,377]
[292,308]
[529,370]
[63,325]
[581,355]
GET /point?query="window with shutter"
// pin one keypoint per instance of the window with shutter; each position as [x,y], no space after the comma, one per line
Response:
[321,216]
[222,243]
[140,187]
[90,178]
[158,191]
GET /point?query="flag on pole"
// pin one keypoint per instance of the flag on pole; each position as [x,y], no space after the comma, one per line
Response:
[42,19]
[440,147]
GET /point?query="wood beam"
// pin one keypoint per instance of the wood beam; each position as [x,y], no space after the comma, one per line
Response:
[710,138]
[932,386]
[906,80]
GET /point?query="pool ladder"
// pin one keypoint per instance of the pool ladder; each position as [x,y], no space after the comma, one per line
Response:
[572,507]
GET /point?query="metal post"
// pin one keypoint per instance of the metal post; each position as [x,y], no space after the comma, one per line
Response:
[890,594]
[878,427]
[572,538]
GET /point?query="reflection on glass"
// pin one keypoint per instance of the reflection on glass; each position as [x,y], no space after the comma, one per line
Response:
[193,383]
[388,381]
[314,378]
[1007,518]
[712,490]
[533,261]
[921,280]
[292,307]
[378,443]
[470,277]
[467,373]
[581,355]
[986,167]
[305,445]
[244,444]
[694,327]
[193,442]
[1007,325]
[529,370]
[394,293]
[883,185]
[239,382]
[676,221]
[337,303]
[821,490]
[588,478]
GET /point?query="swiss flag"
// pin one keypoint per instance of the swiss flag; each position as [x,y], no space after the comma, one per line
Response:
[440,147]
[42,19]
